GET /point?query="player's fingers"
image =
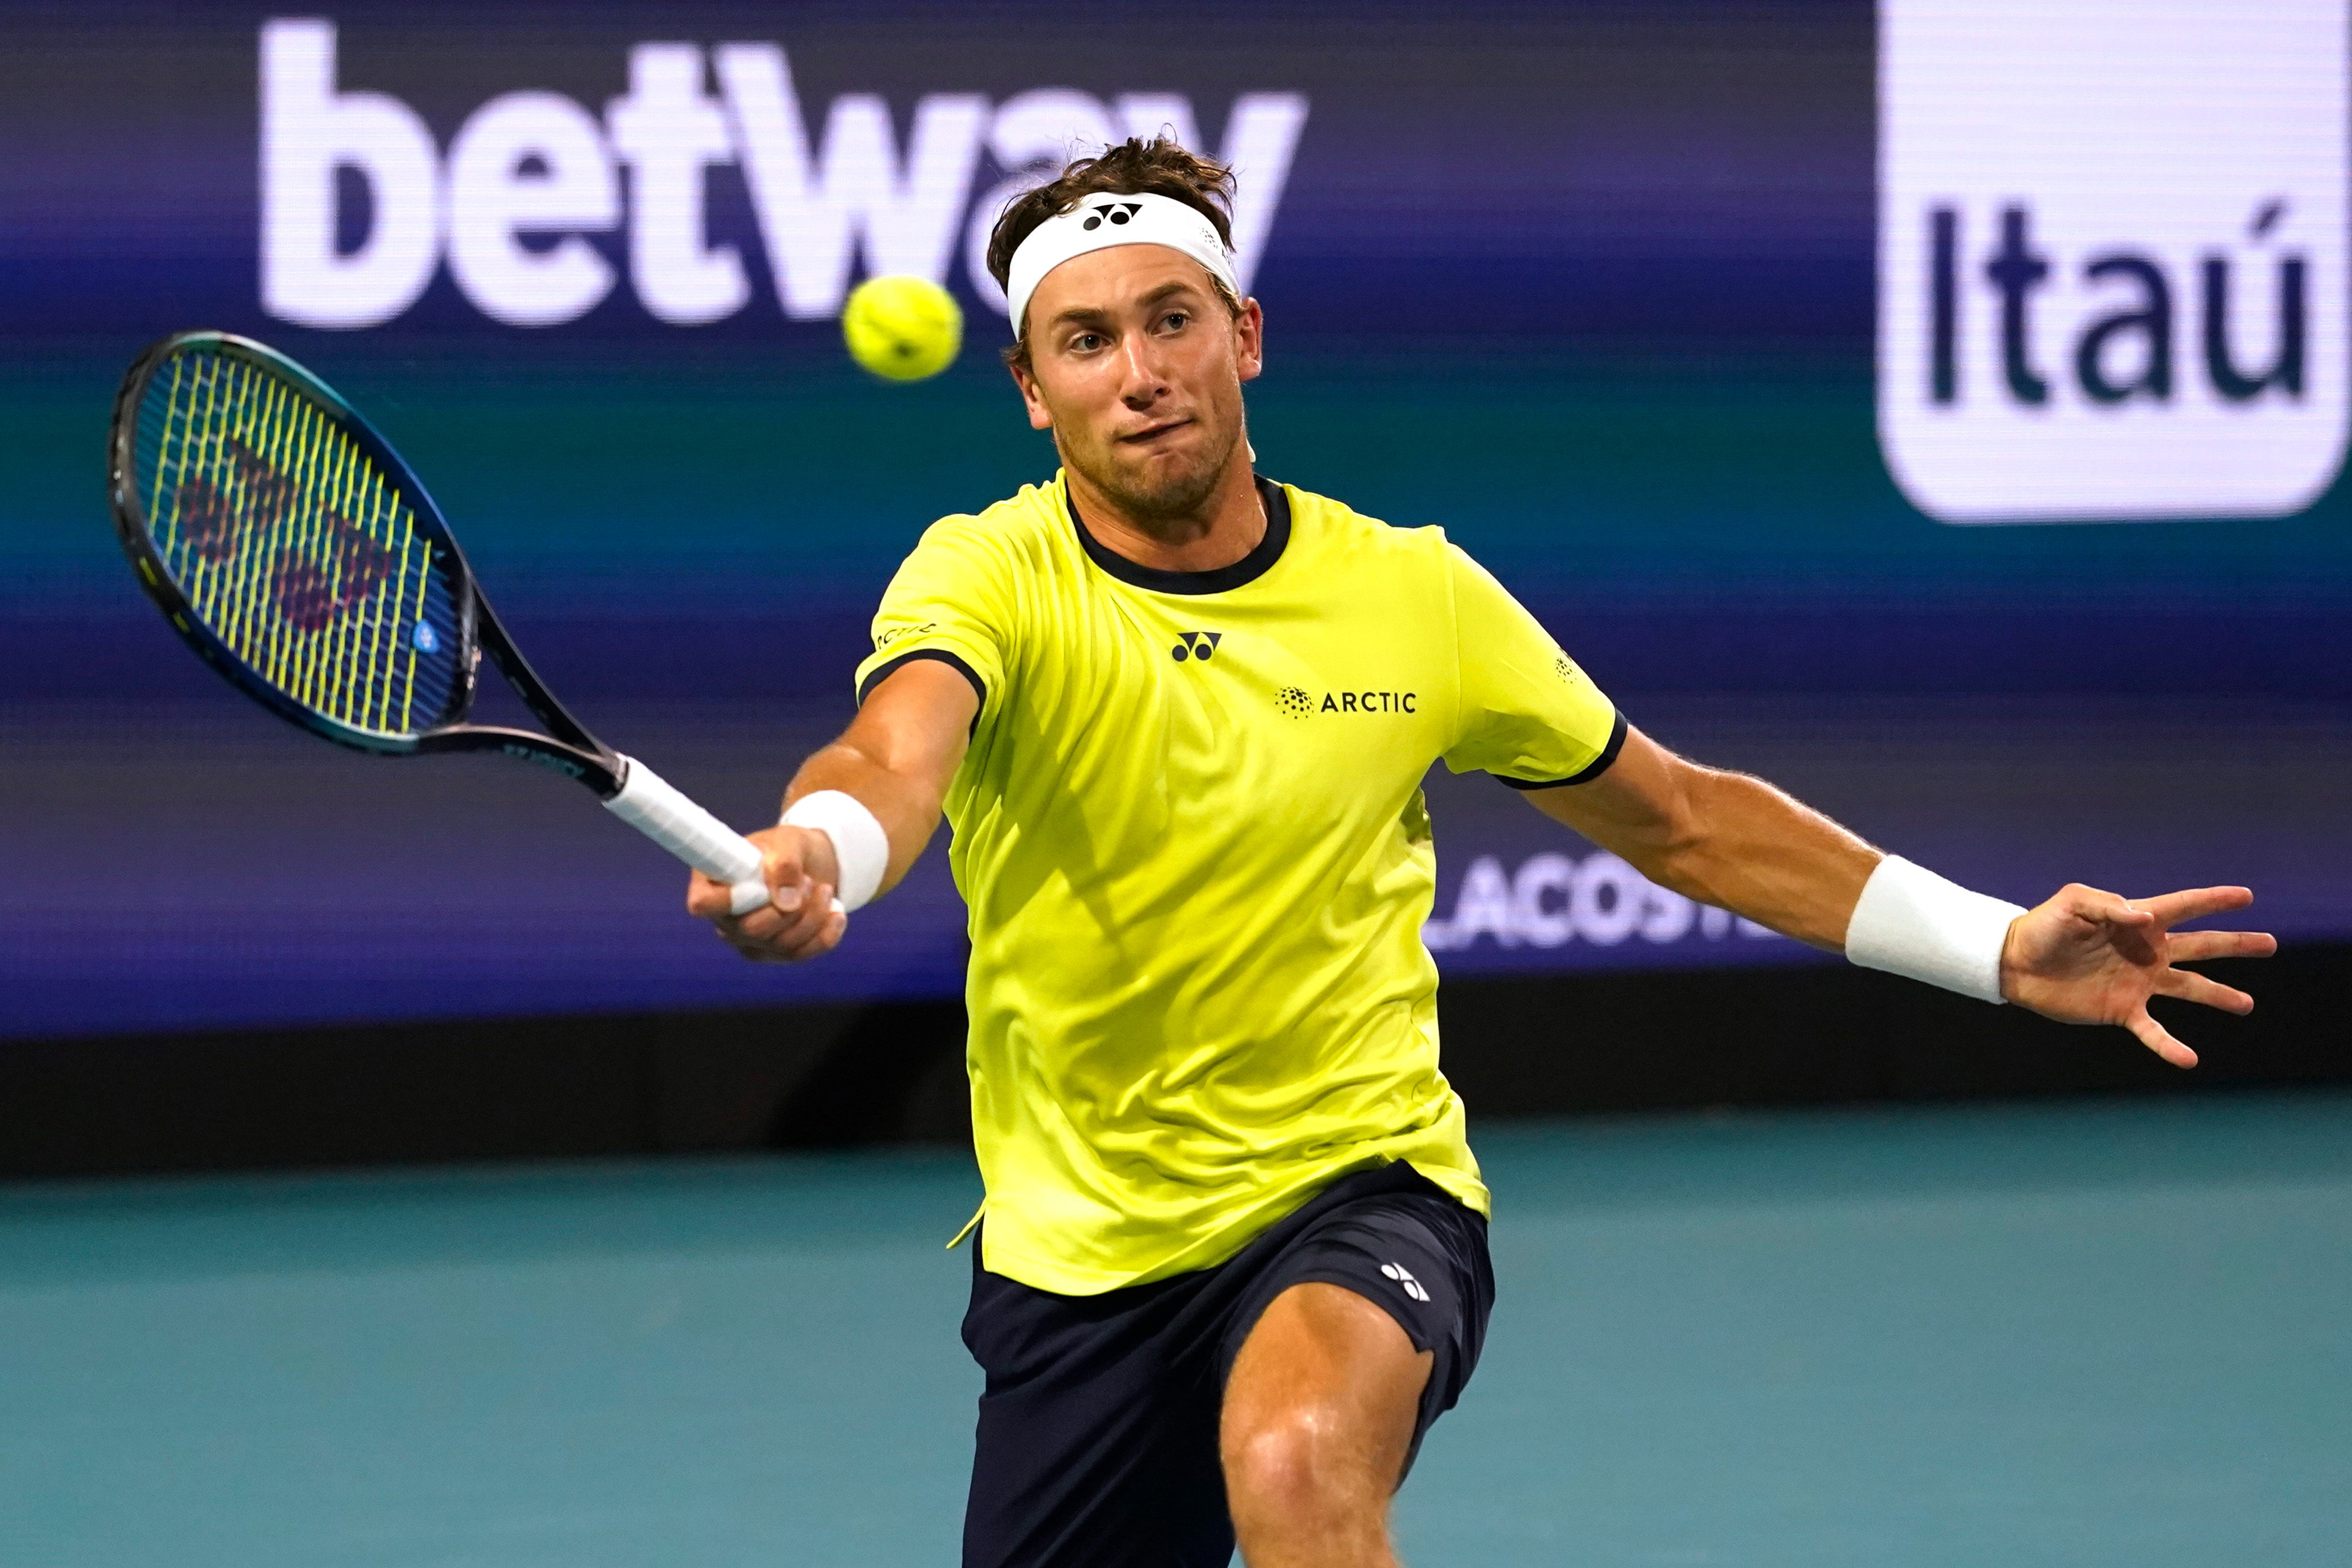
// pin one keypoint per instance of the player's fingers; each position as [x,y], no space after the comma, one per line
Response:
[731,933]
[2195,947]
[829,933]
[785,862]
[2159,1038]
[820,939]
[787,884]
[2191,904]
[765,925]
[706,899]
[758,952]
[788,894]
[774,938]
[804,932]
[2190,987]
[2098,905]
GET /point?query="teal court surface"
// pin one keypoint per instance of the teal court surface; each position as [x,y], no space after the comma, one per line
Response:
[2093,1335]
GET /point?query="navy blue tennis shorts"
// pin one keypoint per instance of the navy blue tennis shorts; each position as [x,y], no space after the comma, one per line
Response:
[1098,1441]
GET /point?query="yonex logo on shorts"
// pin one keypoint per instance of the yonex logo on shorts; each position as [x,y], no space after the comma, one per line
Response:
[1195,645]
[1403,1275]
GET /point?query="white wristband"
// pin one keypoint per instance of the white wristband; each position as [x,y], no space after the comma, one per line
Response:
[860,844]
[1911,922]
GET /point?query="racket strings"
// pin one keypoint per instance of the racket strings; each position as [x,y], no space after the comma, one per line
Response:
[293,548]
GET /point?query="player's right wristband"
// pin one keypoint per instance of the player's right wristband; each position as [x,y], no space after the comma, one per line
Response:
[860,844]
[1911,922]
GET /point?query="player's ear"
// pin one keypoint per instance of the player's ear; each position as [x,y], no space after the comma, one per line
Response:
[1249,345]
[1032,397]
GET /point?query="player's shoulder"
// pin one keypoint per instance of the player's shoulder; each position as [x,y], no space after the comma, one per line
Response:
[1031,513]
[1022,527]
[1335,526]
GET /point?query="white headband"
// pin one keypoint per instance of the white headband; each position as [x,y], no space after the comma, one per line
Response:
[1097,223]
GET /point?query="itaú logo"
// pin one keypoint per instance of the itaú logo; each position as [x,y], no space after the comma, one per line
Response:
[2111,256]
[516,203]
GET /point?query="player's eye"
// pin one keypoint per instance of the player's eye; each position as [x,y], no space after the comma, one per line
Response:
[1086,343]
[1174,321]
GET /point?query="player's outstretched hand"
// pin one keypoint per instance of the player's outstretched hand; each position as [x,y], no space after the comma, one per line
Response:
[2087,957]
[799,921]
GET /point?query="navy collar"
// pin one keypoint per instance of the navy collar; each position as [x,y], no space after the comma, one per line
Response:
[1249,569]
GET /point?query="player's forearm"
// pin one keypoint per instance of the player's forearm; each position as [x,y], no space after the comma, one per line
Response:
[1739,843]
[1755,850]
[1722,838]
[907,806]
[893,764]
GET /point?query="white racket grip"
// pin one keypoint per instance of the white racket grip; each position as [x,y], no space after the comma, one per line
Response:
[652,805]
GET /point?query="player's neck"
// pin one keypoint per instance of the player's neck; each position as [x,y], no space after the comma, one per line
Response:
[1226,527]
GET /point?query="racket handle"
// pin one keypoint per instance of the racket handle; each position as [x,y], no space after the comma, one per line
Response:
[656,807]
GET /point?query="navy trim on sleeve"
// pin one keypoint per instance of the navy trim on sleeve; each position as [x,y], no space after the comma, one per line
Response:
[1585,775]
[953,661]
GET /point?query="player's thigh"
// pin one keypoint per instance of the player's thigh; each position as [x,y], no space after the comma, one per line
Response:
[1093,1448]
[1322,1402]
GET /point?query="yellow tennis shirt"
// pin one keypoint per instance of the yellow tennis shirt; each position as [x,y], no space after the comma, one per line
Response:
[1190,834]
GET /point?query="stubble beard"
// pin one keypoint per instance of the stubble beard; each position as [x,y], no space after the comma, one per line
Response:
[1178,496]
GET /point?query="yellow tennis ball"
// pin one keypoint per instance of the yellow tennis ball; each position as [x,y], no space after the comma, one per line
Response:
[902,328]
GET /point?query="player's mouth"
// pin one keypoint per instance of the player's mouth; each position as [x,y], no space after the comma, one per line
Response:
[1152,433]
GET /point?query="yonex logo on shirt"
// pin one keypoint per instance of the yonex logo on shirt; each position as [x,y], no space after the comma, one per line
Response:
[1195,645]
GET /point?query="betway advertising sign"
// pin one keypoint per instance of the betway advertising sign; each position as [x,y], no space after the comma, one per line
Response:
[509,204]
[2112,273]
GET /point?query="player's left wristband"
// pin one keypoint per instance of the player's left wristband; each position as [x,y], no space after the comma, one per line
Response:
[860,844]
[1912,923]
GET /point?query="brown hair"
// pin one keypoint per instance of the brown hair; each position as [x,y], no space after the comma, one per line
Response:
[1162,167]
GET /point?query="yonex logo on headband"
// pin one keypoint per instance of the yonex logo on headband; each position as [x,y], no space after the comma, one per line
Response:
[1139,217]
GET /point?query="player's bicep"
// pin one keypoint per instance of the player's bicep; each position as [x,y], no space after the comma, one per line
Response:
[917,720]
[1640,807]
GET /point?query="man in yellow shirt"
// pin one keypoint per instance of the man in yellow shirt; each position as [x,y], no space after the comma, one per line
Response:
[1233,1258]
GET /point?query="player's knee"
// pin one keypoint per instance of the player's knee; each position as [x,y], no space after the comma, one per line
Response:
[1292,1465]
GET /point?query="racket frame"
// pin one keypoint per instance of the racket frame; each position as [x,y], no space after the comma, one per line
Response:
[568,747]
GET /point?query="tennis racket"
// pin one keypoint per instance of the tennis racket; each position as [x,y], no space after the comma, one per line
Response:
[290,546]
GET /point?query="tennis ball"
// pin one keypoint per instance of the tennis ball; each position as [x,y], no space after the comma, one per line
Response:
[902,329]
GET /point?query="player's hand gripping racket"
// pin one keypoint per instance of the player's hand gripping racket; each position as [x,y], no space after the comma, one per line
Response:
[293,549]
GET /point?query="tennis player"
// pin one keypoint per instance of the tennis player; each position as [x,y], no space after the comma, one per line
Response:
[1232,1261]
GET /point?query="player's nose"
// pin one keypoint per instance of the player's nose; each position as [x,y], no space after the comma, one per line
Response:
[1144,379]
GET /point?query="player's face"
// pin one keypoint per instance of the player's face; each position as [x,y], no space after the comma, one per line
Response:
[1137,368]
